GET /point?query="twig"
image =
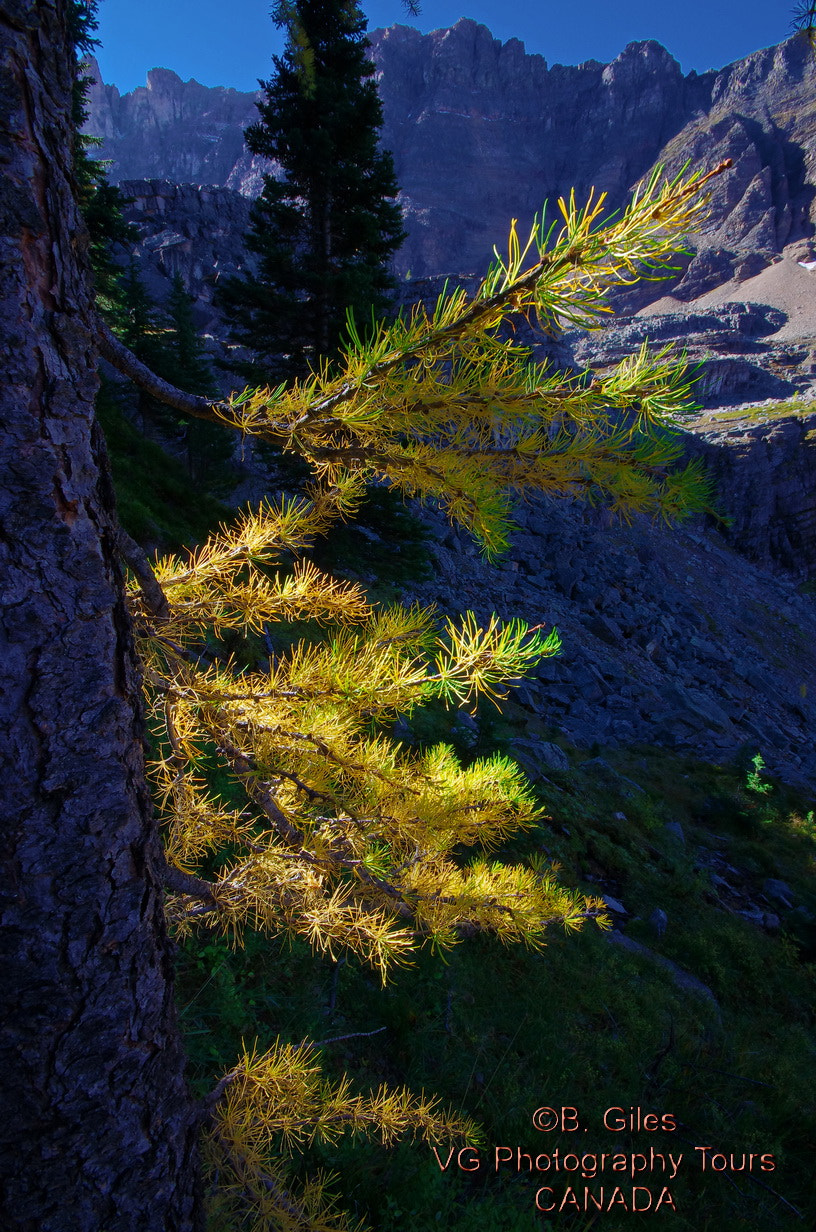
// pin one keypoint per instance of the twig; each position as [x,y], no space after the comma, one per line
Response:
[336,1039]
[244,768]
[727,1074]
[209,1101]
[333,994]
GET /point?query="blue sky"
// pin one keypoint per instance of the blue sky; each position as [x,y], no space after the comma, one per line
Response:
[230,42]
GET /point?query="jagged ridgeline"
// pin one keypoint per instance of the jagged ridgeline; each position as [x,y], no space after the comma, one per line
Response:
[482,132]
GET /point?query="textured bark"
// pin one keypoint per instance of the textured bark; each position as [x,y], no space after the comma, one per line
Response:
[97,1131]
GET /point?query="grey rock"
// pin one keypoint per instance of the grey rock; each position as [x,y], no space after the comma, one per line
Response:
[682,979]
[779,891]
[659,920]
[606,629]
[706,650]
[559,696]
[706,708]
[566,579]
[692,707]
[546,755]
[676,831]
[709,268]
[528,697]
[753,914]
[466,721]
[765,477]
[735,379]
[599,767]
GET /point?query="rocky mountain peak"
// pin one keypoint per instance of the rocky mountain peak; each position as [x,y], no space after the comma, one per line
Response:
[482,132]
[642,63]
[164,81]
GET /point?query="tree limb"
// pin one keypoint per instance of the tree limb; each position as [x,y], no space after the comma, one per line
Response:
[152,592]
[124,361]
[187,883]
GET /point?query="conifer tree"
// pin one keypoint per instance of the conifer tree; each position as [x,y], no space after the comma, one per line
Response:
[167,341]
[100,202]
[323,234]
[186,365]
[137,319]
[138,322]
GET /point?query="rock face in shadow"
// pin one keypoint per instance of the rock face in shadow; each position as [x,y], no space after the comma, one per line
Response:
[195,232]
[764,469]
[483,132]
[669,636]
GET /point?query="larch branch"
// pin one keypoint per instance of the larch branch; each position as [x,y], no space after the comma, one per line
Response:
[124,361]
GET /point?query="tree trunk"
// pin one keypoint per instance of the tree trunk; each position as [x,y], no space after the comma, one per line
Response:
[97,1132]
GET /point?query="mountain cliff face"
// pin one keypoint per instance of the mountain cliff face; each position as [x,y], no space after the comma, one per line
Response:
[482,132]
[169,129]
[195,232]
